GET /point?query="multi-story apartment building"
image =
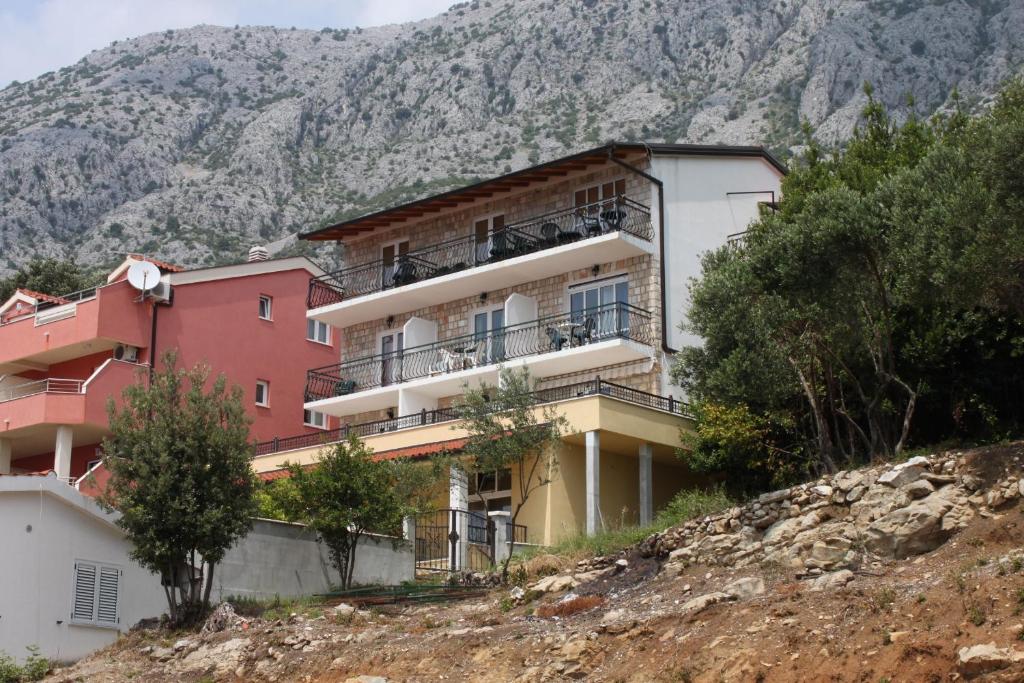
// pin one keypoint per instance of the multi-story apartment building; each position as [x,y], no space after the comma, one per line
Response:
[575,269]
[62,357]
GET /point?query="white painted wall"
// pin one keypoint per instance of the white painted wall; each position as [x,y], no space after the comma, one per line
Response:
[700,213]
[46,526]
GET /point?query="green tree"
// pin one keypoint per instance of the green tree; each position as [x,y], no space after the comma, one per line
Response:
[343,496]
[881,303]
[507,430]
[180,477]
[47,276]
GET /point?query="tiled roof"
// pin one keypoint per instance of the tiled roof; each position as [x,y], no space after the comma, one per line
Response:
[39,296]
[162,265]
[418,451]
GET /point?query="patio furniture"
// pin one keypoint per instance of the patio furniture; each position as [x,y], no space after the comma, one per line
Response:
[549,233]
[588,225]
[344,387]
[613,218]
[405,273]
[567,236]
[556,338]
[583,333]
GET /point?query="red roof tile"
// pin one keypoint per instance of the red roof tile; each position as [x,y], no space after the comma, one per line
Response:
[419,451]
[39,296]
[162,265]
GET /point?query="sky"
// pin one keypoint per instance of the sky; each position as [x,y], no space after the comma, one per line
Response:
[37,36]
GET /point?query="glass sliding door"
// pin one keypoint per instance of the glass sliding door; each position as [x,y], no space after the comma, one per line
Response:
[594,312]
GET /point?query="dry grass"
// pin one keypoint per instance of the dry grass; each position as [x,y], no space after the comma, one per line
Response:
[564,609]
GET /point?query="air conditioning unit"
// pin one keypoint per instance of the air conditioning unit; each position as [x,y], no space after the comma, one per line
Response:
[129,354]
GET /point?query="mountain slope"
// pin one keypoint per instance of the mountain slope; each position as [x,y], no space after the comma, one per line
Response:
[195,144]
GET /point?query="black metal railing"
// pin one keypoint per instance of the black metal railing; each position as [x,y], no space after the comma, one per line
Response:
[454,540]
[549,334]
[593,387]
[516,532]
[620,214]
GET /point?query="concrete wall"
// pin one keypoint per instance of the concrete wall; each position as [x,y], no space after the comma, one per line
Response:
[44,531]
[282,559]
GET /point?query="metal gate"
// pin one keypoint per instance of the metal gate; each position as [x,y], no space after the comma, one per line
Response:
[451,540]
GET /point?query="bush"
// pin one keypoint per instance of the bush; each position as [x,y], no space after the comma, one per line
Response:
[692,503]
[34,669]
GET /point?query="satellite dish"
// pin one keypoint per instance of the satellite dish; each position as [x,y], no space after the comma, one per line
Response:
[143,276]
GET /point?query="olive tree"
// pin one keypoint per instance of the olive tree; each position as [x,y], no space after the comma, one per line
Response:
[178,457]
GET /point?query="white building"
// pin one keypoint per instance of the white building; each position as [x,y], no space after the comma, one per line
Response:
[67,584]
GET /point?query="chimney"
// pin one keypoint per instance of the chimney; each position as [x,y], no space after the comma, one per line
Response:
[258,254]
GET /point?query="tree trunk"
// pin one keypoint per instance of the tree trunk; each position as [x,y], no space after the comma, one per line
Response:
[209,586]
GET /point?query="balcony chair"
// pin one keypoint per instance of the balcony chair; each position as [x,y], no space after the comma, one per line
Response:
[586,225]
[499,247]
[584,334]
[344,387]
[549,234]
[613,219]
[520,244]
[557,340]
[405,273]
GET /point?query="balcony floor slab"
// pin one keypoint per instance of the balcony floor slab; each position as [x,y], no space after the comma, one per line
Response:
[566,361]
[508,273]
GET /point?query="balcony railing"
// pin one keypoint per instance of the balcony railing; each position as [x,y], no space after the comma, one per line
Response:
[516,239]
[42,386]
[594,387]
[552,333]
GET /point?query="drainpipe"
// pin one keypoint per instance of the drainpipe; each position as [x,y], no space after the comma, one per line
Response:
[152,332]
[661,236]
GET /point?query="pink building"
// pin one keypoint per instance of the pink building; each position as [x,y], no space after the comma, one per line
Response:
[62,357]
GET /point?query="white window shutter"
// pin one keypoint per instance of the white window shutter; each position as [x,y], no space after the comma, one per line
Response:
[107,596]
[83,601]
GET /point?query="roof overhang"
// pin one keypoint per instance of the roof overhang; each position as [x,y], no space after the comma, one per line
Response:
[245,269]
[518,180]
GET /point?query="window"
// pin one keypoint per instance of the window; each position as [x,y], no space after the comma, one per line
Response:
[491,491]
[90,464]
[318,331]
[598,197]
[262,393]
[314,418]
[596,301]
[266,304]
[96,593]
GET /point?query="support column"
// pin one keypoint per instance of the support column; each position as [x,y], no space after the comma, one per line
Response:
[409,528]
[62,453]
[646,499]
[458,499]
[5,456]
[593,482]
[500,519]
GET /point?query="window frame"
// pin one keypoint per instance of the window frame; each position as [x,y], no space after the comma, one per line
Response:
[599,186]
[323,417]
[98,568]
[269,317]
[315,323]
[266,393]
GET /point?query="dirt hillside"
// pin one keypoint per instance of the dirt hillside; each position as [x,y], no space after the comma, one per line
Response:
[800,606]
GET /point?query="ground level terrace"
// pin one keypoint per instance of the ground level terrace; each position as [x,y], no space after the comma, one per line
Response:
[616,464]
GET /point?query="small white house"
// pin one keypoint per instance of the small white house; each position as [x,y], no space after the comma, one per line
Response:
[67,584]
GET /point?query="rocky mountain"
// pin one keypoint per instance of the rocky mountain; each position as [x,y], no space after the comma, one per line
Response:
[195,144]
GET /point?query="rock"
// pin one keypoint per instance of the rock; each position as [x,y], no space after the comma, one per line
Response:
[902,474]
[701,603]
[617,621]
[555,584]
[344,610]
[915,529]
[822,490]
[980,659]
[366,679]
[748,587]
[222,617]
[182,644]
[161,654]
[918,489]
[831,581]
[939,480]
[773,496]
[221,658]
[855,493]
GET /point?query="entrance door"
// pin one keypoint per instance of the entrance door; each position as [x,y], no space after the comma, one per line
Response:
[488,332]
[597,301]
[390,255]
[489,234]
[391,347]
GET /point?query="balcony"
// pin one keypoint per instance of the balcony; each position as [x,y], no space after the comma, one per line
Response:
[417,376]
[72,326]
[540,247]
